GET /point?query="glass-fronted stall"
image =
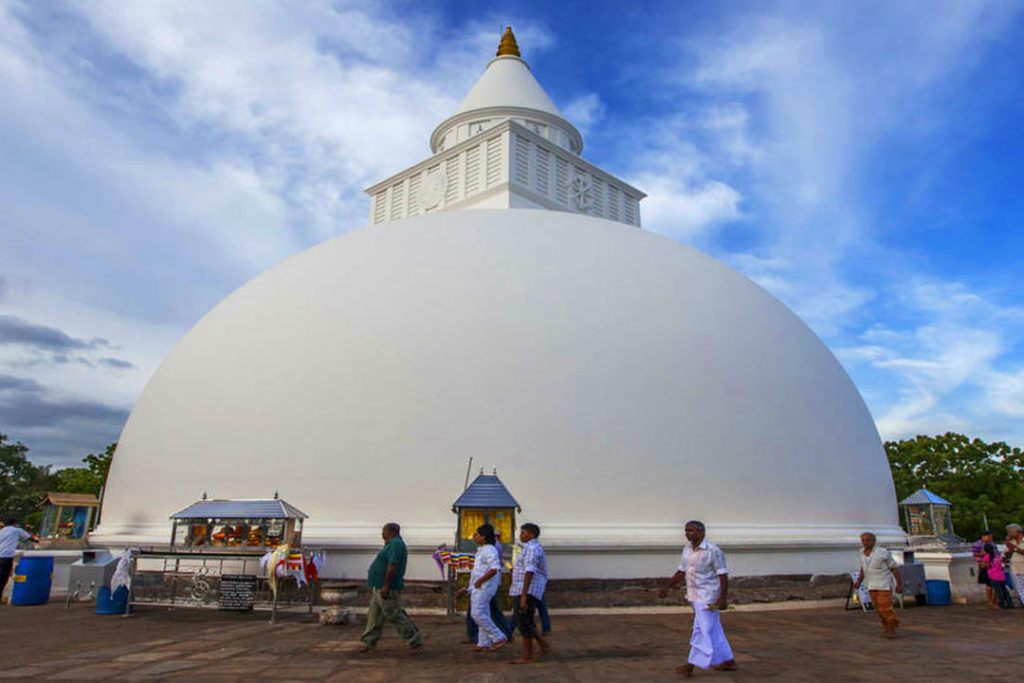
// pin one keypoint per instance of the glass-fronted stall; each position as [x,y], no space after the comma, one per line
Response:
[67,519]
[248,523]
[928,515]
[485,501]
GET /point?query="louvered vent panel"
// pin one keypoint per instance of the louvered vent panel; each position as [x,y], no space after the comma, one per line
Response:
[397,200]
[544,171]
[493,161]
[614,202]
[414,195]
[522,161]
[472,170]
[451,170]
[630,210]
[561,180]
[597,191]
[380,206]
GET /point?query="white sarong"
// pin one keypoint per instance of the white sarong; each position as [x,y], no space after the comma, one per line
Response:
[708,646]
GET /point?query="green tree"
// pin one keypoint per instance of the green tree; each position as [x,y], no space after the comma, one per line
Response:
[22,484]
[88,479]
[981,480]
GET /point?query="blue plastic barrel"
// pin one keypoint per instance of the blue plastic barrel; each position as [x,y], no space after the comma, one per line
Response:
[32,580]
[111,604]
[938,592]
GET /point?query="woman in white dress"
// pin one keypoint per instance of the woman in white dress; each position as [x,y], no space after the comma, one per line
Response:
[483,584]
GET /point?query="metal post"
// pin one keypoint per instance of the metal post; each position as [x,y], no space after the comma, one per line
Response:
[174,580]
[451,590]
[273,606]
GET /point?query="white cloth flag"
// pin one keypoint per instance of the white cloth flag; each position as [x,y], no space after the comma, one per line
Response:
[122,575]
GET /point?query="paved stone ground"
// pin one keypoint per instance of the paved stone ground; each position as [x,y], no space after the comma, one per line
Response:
[938,643]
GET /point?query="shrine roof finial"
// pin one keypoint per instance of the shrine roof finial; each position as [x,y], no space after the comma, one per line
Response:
[508,45]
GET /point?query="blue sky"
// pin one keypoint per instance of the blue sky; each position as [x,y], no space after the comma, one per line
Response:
[861,161]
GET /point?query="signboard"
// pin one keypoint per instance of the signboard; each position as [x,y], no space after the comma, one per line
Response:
[237,592]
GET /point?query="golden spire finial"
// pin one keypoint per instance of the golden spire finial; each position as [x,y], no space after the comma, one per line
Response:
[508,45]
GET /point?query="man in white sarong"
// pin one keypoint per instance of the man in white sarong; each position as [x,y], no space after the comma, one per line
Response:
[484,582]
[707,589]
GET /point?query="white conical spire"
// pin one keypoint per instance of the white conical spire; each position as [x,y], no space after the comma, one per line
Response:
[506,146]
[508,83]
[506,90]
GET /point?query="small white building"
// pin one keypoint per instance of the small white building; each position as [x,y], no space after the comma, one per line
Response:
[505,304]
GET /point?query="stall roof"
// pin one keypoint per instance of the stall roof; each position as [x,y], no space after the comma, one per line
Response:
[486,491]
[924,497]
[75,499]
[272,508]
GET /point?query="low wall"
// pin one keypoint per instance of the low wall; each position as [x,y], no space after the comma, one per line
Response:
[562,593]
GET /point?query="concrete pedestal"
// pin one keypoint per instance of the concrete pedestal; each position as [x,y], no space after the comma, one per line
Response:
[956,567]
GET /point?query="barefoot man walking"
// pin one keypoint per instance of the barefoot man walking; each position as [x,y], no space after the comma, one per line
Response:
[529,577]
[876,565]
[707,589]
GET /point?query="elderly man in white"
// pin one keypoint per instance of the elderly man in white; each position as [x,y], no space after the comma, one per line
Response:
[707,589]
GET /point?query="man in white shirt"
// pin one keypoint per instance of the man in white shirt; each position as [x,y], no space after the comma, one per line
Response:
[707,589]
[10,535]
[878,568]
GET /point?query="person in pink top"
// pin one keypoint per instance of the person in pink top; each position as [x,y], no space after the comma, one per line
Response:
[993,562]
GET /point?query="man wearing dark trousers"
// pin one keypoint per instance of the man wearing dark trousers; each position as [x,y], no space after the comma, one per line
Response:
[10,535]
[529,578]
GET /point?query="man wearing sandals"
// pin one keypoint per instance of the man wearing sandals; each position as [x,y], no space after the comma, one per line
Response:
[707,589]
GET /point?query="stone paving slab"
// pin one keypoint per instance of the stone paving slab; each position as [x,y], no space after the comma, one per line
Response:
[937,643]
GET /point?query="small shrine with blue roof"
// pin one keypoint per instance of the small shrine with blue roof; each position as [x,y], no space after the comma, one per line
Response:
[927,514]
[248,523]
[485,501]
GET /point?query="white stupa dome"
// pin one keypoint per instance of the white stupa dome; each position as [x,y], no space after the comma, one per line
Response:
[620,382]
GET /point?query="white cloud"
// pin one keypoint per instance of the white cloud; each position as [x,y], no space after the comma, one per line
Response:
[1006,393]
[584,111]
[683,211]
[943,373]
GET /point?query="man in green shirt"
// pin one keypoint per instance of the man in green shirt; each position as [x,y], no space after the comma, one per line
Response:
[386,579]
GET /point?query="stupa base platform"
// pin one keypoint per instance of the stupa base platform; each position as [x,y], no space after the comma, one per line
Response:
[566,593]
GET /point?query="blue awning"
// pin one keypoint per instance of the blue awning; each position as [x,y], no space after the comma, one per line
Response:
[271,508]
[924,497]
[486,491]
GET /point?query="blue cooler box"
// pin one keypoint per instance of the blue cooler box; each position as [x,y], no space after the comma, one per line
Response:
[939,592]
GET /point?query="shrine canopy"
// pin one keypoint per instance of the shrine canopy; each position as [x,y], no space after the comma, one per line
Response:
[485,501]
[67,519]
[274,508]
[924,497]
[927,514]
[249,523]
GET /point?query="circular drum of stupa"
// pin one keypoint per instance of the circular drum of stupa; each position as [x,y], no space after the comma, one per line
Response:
[621,383]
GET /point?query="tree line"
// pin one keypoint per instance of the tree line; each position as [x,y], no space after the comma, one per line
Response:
[23,484]
[983,481]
